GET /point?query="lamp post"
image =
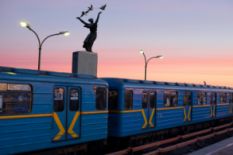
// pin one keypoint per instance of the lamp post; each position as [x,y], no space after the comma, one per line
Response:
[147,61]
[26,25]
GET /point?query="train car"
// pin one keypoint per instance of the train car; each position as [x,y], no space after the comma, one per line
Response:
[42,110]
[137,107]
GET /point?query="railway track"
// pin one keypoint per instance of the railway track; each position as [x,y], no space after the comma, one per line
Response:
[177,145]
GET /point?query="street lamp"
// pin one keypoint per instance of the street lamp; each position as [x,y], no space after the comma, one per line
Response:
[26,25]
[147,61]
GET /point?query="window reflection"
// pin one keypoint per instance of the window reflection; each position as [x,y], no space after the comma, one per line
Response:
[101,98]
[170,98]
[128,99]
[15,101]
[59,99]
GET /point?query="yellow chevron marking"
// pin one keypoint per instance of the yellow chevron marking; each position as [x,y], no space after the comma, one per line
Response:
[151,117]
[185,116]
[134,111]
[60,126]
[211,111]
[145,119]
[189,113]
[70,130]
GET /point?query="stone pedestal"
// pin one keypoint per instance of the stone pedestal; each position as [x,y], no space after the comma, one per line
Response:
[84,63]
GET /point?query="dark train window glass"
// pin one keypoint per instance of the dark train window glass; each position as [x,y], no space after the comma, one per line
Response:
[148,100]
[113,99]
[213,98]
[1,103]
[170,98]
[144,100]
[223,98]
[187,98]
[128,99]
[59,94]
[152,100]
[17,100]
[101,98]
[231,98]
[74,99]
[201,98]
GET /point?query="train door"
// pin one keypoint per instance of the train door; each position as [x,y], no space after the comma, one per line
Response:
[66,113]
[149,108]
[188,102]
[213,104]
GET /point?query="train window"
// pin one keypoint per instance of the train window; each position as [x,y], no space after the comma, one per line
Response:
[128,99]
[148,100]
[20,87]
[213,98]
[231,98]
[17,100]
[231,103]
[74,99]
[201,98]
[152,100]
[101,98]
[144,100]
[170,98]
[187,98]
[59,94]
[113,99]
[1,103]
[223,98]
[3,86]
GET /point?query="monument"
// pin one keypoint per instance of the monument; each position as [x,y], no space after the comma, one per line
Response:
[85,62]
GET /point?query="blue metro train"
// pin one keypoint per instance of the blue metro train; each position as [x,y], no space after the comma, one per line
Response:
[43,110]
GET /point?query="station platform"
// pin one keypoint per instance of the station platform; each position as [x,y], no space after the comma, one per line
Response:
[224,147]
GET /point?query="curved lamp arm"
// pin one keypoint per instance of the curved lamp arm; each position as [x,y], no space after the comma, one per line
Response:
[37,36]
[155,57]
[55,34]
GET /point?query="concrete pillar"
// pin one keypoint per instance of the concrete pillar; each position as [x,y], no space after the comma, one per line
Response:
[85,63]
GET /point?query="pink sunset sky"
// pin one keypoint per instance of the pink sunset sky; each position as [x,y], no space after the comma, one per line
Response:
[195,37]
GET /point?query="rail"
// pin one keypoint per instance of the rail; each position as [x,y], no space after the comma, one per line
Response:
[178,142]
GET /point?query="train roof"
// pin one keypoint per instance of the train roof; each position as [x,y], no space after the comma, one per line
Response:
[161,83]
[46,76]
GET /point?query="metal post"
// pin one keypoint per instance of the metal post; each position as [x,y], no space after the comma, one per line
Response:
[147,61]
[145,70]
[39,58]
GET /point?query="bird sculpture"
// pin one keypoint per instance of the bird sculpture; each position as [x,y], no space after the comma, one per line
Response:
[84,13]
[103,7]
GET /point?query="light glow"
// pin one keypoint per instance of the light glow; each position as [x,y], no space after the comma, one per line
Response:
[66,34]
[23,24]
[141,51]
[160,57]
